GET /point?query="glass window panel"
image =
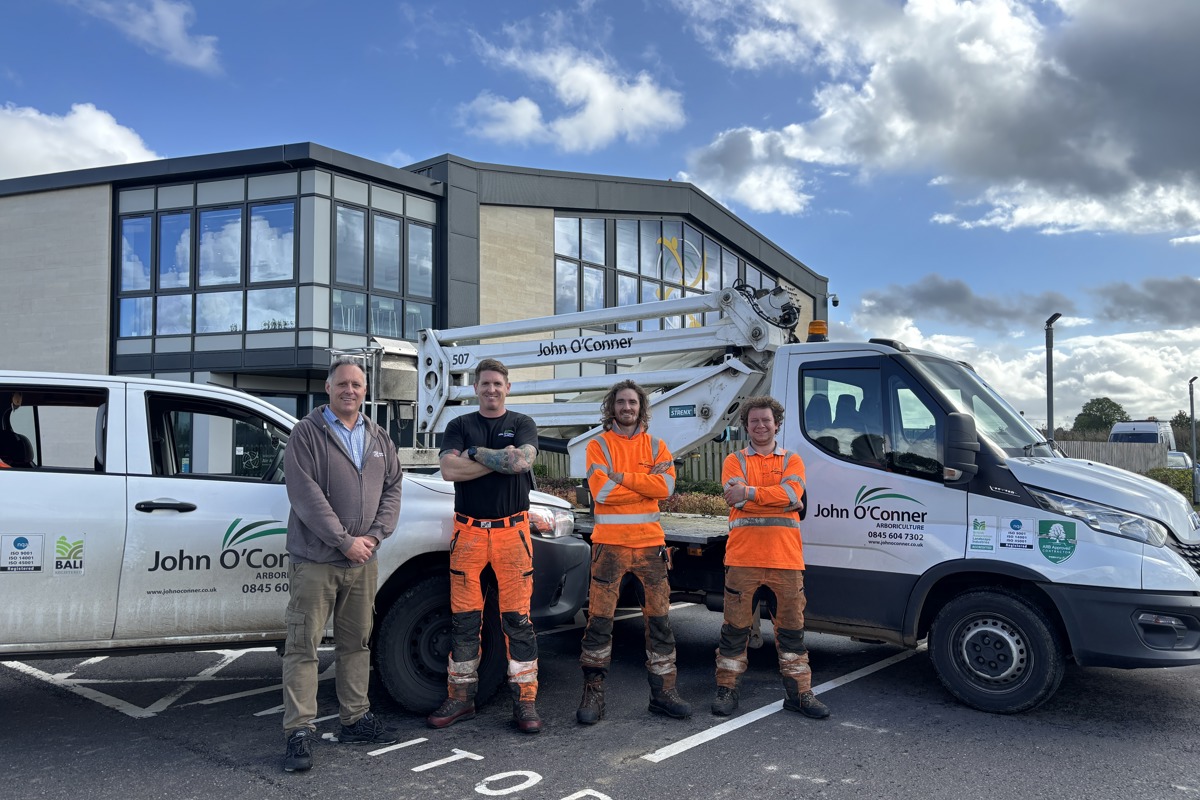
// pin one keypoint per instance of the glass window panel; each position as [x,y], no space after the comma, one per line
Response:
[672,252]
[651,250]
[593,288]
[729,269]
[386,315]
[349,312]
[136,316]
[593,240]
[420,260]
[218,312]
[350,266]
[711,269]
[385,256]
[135,254]
[753,277]
[693,258]
[627,246]
[272,242]
[416,317]
[566,236]
[627,295]
[566,287]
[651,291]
[271,309]
[220,247]
[174,315]
[175,251]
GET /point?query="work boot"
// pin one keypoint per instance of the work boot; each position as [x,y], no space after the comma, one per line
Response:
[368,730]
[726,701]
[669,703]
[807,704]
[298,757]
[451,711]
[525,713]
[591,707]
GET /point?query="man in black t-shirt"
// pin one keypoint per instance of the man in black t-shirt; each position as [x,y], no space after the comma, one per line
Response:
[489,455]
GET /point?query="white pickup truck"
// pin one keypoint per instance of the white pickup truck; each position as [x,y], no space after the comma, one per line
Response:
[140,515]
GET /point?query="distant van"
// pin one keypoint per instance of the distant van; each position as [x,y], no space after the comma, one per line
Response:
[1146,431]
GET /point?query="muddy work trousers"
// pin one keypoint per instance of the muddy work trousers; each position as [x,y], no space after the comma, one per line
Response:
[611,563]
[505,544]
[740,585]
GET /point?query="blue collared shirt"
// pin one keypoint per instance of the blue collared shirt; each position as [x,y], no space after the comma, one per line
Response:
[353,439]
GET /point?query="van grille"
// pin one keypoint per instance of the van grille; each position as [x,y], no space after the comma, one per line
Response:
[1189,552]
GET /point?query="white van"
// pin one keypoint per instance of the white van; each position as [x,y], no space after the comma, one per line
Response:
[1144,431]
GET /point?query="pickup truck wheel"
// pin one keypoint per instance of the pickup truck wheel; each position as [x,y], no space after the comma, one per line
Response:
[414,644]
[996,651]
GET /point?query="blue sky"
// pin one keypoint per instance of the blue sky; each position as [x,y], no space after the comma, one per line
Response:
[959,171]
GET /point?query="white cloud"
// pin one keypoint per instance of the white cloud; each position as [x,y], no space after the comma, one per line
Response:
[160,27]
[33,143]
[752,168]
[1146,372]
[1186,240]
[1075,119]
[594,102]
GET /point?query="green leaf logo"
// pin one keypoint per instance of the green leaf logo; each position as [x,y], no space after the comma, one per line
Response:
[68,550]
[866,495]
[251,530]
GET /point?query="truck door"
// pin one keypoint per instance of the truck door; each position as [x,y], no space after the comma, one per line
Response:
[878,513]
[62,509]
[207,519]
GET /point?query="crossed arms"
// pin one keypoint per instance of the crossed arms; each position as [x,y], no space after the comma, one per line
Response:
[510,461]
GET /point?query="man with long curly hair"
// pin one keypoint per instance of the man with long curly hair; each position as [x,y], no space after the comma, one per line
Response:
[628,472]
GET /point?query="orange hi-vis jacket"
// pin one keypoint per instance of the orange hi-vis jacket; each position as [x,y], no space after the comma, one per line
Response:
[627,513]
[764,529]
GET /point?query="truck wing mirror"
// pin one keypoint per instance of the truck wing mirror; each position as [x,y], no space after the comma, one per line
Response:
[962,443]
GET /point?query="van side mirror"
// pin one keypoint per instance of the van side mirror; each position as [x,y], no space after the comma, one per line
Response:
[962,443]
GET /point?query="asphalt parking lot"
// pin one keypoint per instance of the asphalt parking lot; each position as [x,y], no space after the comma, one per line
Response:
[204,725]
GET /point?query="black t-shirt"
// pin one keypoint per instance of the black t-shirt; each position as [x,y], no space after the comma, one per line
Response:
[496,494]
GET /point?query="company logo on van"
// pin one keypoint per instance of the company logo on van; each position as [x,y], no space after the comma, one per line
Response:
[234,553]
[1056,540]
[866,507]
[68,557]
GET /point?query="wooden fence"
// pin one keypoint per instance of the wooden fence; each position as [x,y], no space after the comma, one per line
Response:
[704,463]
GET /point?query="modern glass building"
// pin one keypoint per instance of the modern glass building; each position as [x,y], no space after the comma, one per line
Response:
[246,268]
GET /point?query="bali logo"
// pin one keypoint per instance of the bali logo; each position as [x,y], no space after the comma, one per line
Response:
[1056,540]
[68,557]
[979,524]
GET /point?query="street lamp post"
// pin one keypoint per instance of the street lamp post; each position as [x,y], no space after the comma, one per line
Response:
[1192,413]
[1050,375]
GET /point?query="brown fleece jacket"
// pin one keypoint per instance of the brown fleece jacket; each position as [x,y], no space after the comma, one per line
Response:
[332,501]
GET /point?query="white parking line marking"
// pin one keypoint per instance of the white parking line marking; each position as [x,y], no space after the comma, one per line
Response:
[329,672]
[459,755]
[683,745]
[103,699]
[390,748]
[576,626]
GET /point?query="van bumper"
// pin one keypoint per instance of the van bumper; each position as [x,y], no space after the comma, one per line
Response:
[1128,629]
[560,580]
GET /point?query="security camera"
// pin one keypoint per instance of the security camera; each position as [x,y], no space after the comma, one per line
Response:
[833,298]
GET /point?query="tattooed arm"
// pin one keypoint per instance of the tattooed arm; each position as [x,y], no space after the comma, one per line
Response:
[511,461]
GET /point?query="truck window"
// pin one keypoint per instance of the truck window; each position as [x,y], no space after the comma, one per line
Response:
[56,428]
[873,418]
[201,438]
[842,413]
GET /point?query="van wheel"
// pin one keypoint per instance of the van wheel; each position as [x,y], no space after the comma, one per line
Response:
[996,651]
[413,646]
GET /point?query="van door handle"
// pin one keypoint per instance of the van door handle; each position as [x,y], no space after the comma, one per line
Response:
[164,505]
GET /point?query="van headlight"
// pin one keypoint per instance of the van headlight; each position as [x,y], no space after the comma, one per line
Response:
[551,523]
[1104,519]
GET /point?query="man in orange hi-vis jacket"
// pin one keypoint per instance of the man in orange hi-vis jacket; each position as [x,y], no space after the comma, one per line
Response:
[764,486]
[628,472]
